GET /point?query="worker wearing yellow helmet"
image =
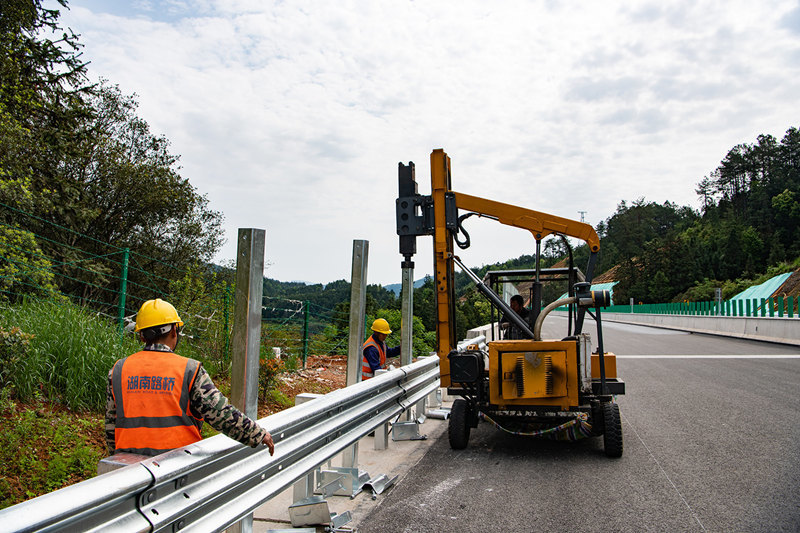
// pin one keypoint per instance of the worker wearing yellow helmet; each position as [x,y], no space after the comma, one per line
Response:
[375,351]
[157,400]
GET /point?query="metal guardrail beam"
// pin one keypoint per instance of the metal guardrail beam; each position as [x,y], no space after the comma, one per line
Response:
[211,484]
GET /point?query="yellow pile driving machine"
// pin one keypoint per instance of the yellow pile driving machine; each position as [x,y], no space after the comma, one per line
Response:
[522,384]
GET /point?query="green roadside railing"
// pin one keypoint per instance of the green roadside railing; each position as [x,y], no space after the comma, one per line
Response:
[781,307]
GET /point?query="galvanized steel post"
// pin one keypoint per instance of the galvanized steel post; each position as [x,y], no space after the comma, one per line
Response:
[247,331]
[407,316]
[358,305]
[407,320]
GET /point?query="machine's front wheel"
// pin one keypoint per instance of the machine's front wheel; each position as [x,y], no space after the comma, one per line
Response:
[458,428]
[612,435]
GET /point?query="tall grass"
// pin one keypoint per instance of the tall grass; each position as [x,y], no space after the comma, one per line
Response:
[70,354]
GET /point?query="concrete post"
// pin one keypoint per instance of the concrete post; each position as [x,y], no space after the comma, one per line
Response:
[247,332]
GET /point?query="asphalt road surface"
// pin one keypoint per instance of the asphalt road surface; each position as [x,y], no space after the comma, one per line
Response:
[711,431]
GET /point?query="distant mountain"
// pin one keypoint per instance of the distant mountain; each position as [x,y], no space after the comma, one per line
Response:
[397,287]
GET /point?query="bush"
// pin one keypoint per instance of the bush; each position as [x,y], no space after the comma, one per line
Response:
[268,371]
[69,355]
[14,347]
[43,452]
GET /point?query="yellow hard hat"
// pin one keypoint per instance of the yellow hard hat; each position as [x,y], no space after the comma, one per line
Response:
[381,326]
[156,313]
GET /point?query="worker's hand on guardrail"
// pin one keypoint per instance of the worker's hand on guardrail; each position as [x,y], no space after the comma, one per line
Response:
[268,442]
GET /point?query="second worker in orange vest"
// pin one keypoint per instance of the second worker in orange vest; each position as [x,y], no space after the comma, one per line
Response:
[375,351]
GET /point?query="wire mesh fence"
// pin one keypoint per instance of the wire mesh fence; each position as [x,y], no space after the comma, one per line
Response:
[113,282]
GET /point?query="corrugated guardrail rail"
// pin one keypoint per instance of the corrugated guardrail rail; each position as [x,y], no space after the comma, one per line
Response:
[213,483]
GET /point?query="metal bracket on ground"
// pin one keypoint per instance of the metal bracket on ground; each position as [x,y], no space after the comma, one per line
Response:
[337,521]
[407,431]
[379,484]
[314,510]
[352,480]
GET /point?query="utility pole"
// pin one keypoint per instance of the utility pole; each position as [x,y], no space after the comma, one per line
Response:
[582,215]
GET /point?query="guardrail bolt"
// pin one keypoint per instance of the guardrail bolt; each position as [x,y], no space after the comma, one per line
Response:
[151,496]
[179,525]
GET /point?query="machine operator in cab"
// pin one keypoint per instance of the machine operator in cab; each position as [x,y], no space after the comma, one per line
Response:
[157,400]
[510,330]
[375,351]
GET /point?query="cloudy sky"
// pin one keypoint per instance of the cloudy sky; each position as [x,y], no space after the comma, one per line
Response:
[292,116]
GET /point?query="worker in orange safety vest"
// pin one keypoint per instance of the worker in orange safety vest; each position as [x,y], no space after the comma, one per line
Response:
[157,400]
[375,351]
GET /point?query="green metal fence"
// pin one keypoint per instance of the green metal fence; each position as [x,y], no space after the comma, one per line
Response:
[752,307]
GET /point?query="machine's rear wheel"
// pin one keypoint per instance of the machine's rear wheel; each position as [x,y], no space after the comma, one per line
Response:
[458,428]
[612,436]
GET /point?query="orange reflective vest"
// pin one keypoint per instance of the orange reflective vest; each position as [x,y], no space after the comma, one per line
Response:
[151,392]
[366,370]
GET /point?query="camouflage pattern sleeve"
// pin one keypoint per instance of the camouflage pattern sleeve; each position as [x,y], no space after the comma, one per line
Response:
[111,415]
[215,409]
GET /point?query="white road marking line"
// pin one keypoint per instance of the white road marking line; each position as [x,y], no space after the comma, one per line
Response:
[646,447]
[776,356]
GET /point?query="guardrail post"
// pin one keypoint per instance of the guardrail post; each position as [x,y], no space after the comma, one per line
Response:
[406,336]
[381,441]
[304,487]
[381,437]
[247,332]
[358,306]
[407,318]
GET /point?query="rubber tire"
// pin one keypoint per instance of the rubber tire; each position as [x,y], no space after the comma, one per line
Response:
[458,428]
[612,436]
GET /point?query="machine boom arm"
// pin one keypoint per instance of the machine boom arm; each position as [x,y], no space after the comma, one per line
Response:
[539,224]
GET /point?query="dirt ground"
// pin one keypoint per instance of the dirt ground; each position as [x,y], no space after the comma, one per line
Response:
[321,375]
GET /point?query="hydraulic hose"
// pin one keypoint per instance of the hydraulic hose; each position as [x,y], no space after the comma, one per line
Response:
[537,327]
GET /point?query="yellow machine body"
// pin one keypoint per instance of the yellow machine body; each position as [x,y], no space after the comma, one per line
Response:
[533,373]
[611,365]
[537,223]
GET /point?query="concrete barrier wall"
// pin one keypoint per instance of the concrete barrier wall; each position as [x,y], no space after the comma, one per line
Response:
[770,329]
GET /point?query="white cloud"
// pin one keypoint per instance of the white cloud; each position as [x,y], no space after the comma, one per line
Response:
[293,116]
